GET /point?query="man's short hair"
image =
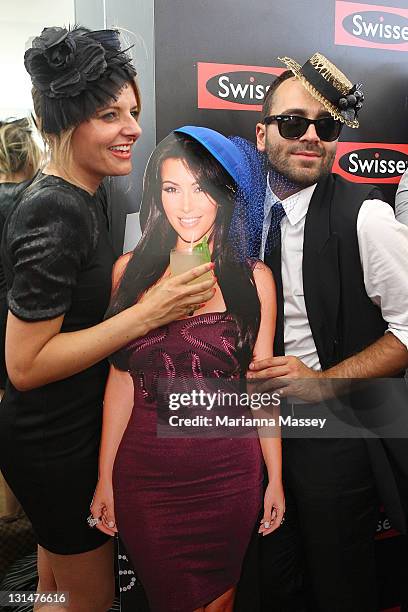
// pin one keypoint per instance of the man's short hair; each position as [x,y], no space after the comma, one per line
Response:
[267,103]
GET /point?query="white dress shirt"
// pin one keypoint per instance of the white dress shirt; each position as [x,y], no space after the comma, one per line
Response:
[401,200]
[383,246]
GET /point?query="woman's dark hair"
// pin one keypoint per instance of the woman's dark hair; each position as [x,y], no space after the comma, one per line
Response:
[150,258]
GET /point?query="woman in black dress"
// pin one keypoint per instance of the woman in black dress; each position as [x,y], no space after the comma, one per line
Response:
[58,259]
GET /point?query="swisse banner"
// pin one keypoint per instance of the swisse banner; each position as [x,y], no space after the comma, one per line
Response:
[232,86]
[371,25]
[371,162]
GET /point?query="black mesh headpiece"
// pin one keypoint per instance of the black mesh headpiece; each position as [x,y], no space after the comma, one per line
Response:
[76,72]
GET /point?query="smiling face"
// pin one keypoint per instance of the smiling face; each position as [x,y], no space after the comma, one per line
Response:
[102,145]
[303,161]
[190,210]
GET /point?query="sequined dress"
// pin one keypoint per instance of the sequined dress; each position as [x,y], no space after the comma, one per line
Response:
[185,506]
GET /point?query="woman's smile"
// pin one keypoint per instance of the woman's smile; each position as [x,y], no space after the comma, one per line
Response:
[189,221]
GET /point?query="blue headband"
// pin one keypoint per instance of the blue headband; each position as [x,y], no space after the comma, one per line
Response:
[224,151]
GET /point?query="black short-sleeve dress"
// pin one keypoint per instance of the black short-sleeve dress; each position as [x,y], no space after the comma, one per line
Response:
[57,259]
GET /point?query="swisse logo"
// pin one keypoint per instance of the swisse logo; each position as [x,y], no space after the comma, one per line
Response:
[241,87]
[231,86]
[366,162]
[366,25]
[375,164]
[376,26]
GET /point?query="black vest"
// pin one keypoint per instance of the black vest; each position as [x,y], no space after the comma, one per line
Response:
[342,318]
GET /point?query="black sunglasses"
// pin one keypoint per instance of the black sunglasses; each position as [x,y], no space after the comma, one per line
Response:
[293,126]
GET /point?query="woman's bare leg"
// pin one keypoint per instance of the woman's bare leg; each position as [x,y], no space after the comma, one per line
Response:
[11,504]
[224,603]
[87,578]
[46,579]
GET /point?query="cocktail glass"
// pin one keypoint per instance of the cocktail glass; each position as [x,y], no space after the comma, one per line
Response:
[183,260]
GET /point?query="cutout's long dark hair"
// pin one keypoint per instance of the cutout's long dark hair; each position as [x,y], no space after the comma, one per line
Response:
[150,258]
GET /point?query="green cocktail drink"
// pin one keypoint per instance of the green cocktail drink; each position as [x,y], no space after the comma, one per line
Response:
[183,260]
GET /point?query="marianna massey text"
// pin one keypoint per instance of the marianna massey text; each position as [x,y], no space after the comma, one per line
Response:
[244,421]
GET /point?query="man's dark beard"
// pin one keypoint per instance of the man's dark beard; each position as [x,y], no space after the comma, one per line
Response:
[296,179]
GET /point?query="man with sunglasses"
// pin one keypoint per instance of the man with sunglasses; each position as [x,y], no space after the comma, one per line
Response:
[339,262]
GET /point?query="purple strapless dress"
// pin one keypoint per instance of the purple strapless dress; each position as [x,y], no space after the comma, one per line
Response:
[185,507]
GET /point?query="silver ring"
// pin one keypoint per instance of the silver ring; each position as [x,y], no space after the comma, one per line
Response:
[92,521]
[267,524]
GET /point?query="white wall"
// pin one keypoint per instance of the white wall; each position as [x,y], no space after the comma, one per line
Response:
[20,21]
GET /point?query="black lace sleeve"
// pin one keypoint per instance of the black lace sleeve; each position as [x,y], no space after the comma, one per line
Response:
[48,238]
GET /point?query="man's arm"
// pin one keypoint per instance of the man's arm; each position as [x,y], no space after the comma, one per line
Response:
[383,244]
[401,200]
[385,357]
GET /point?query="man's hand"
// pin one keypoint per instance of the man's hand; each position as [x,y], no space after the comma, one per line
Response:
[281,367]
[290,376]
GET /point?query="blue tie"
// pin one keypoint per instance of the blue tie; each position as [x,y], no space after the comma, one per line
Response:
[274,232]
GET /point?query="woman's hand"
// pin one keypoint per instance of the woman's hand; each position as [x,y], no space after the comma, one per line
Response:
[274,508]
[174,297]
[102,508]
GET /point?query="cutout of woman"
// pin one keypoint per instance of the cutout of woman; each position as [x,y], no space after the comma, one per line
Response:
[58,260]
[186,507]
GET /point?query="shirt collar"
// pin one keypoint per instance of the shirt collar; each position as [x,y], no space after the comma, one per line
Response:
[295,206]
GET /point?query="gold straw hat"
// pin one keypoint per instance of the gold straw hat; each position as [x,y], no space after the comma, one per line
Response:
[327,84]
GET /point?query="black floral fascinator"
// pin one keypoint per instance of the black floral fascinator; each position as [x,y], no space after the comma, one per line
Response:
[75,72]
